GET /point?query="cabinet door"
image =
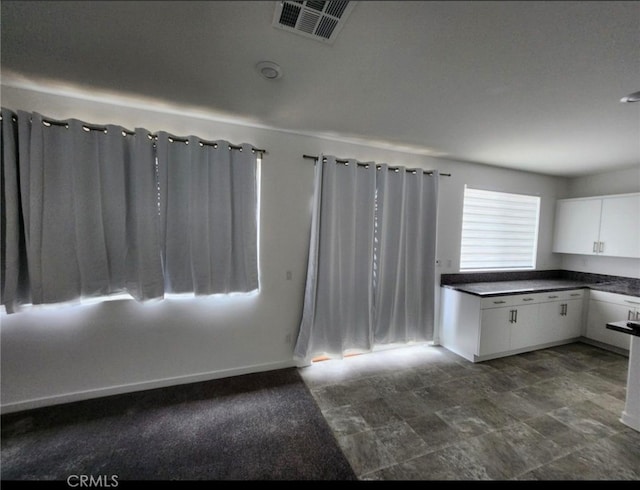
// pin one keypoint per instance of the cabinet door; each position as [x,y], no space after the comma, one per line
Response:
[560,320]
[601,313]
[577,226]
[525,331]
[551,320]
[571,322]
[620,226]
[495,331]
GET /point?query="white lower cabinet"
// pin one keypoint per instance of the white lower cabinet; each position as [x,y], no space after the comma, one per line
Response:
[525,331]
[496,331]
[610,307]
[562,318]
[485,328]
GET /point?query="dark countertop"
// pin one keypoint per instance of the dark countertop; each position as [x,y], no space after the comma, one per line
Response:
[502,288]
[617,287]
[622,327]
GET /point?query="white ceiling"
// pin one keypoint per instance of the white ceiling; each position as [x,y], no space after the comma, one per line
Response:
[528,85]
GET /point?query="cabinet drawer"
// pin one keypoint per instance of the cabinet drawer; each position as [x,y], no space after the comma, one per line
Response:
[511,300]
[498,302]
[532,298]
[562,295]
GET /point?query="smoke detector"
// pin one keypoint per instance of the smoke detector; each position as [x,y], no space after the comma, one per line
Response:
[319,20]
[269,70]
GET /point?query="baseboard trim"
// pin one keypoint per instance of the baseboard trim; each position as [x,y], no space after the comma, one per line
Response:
[141,386]
[602,345]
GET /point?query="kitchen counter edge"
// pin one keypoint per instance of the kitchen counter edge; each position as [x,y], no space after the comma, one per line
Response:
[609,288]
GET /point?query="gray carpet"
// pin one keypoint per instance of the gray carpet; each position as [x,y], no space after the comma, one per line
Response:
[263,426]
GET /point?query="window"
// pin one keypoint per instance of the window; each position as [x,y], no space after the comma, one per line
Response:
[499,230]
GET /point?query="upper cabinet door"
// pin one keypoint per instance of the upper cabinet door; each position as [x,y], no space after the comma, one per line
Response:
[620,227]
[577,226]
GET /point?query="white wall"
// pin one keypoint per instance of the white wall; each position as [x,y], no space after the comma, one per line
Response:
[59,354]
[617,182]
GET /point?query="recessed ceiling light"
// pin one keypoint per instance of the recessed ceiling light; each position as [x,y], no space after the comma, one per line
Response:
[269,70]
[634,97]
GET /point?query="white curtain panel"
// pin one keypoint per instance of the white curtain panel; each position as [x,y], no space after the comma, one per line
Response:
[208,211]
[371,270]
[405,246]
[77,188]
[338,306]
[15,274]
[89,211]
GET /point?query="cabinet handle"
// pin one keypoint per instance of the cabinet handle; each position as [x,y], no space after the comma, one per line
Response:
[574,294]
[499,302]
[630,315]
[601,247]
[565,307]
[527,299]
[515,320]
[551,297]
[595,247]
[631,302]
[510,316]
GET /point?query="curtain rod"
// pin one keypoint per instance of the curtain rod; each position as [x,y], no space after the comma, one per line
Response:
[361,164]
[92,127]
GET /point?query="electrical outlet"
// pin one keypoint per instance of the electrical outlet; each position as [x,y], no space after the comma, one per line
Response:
[289,275]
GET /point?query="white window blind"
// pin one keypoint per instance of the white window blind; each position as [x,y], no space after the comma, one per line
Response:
[499,230]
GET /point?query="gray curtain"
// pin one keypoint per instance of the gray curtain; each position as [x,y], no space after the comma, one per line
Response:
[208,206]
[89,211]
[15,274]
[371,270]
[337,312]
[405,251]
[82,200]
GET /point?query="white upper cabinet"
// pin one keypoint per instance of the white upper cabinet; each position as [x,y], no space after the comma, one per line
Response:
[606,225]
[577,226]
[620,226]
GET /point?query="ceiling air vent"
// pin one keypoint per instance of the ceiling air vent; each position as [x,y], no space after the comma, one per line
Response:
[317,20]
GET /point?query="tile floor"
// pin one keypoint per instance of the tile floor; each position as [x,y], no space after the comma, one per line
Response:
[424,413]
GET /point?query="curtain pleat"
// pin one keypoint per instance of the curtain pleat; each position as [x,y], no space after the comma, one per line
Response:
[208,216]
[15,274]
[371,270]
[304,341]
[143,261]
[220,206]
[113,178]
[244,202]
